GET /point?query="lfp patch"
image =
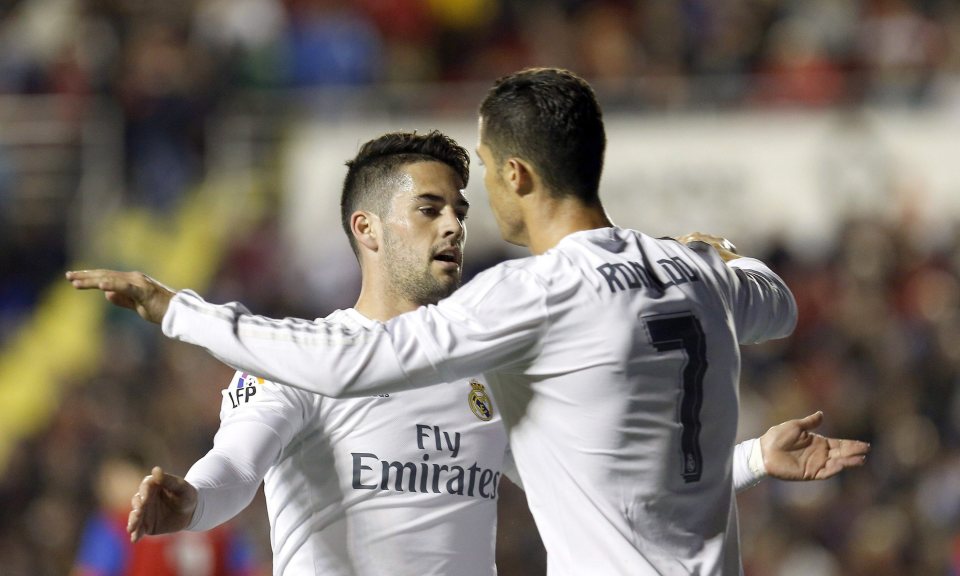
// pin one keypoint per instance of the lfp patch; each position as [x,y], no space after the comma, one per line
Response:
[243,389]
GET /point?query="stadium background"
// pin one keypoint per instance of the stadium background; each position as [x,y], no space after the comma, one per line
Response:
[203,141]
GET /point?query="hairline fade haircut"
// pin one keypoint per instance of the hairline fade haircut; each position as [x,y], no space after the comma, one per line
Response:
[549,117]
[373,172]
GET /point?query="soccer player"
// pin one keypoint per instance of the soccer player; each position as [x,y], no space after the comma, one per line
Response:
[613,356]
[400,483]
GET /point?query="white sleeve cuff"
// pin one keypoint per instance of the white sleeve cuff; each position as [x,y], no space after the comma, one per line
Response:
[748,466]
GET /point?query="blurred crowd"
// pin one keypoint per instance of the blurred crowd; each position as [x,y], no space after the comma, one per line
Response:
[194,50]
[877,348]
[168,67]
[878,344]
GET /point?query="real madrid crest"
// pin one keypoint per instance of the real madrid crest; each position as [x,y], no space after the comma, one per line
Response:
[479,401]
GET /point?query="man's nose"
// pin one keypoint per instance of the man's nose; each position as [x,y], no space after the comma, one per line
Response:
[452,226]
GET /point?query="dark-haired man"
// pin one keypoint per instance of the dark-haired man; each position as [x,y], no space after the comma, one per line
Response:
[613,356]
[401,483]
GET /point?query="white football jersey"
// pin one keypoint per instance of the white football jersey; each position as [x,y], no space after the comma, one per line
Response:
[400,484]
[614,360]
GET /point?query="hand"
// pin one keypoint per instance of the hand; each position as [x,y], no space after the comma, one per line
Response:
[164,503]
[134,290]
[792,452]
[725,247]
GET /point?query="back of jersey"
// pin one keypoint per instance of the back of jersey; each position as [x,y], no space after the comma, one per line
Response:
[623,421]
[613,357]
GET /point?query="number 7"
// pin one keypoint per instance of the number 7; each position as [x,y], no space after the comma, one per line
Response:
[683,332]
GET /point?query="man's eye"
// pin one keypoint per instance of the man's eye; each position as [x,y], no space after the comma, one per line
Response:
[462,216]
[429,211]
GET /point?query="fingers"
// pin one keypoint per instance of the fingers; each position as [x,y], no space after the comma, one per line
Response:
[134,290]
[117,289]
[718,241]
[724,247]
[841,449]
[812,421]
[118,299]
[697,237]
[167,482]
[126,283]
[137,519]
[135,525]
[87,279]
[141,513]
[842,454]
[836,465]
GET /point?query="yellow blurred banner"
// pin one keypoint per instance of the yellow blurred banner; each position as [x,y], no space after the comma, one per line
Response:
[62,343]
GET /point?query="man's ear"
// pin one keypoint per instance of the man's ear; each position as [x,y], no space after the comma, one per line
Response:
[365,227]
[520,176]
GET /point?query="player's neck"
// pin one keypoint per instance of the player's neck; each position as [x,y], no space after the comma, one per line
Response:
[549,222]
[379,305]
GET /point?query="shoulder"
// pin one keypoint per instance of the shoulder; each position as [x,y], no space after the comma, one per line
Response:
[515,277]
[698,256]
[508,271]
[247,393]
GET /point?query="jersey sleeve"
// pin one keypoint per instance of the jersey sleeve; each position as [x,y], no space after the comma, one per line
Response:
[762,306]
[493,321]
[257,420]
[509,468]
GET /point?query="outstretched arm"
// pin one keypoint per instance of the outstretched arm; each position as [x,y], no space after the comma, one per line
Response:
[164,503]
[495,320]
[791,451]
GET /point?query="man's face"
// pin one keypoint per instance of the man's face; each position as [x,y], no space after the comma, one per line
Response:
[424,233]
[502,203]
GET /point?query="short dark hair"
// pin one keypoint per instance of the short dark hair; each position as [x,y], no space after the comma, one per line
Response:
[551,118]
[370,174]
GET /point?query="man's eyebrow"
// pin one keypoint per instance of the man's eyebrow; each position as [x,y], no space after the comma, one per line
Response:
[461,202]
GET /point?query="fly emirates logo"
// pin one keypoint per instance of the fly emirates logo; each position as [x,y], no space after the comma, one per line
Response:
[370,472]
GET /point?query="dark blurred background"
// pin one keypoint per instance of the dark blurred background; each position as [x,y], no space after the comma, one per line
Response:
[203,142]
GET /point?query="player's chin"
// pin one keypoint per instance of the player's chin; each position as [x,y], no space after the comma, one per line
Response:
[448,279]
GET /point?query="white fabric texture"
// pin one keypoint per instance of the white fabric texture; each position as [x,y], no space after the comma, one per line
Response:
[614,360]
[402,483]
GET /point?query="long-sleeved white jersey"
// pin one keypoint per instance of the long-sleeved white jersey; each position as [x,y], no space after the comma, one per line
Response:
[398,484]
[614,360]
